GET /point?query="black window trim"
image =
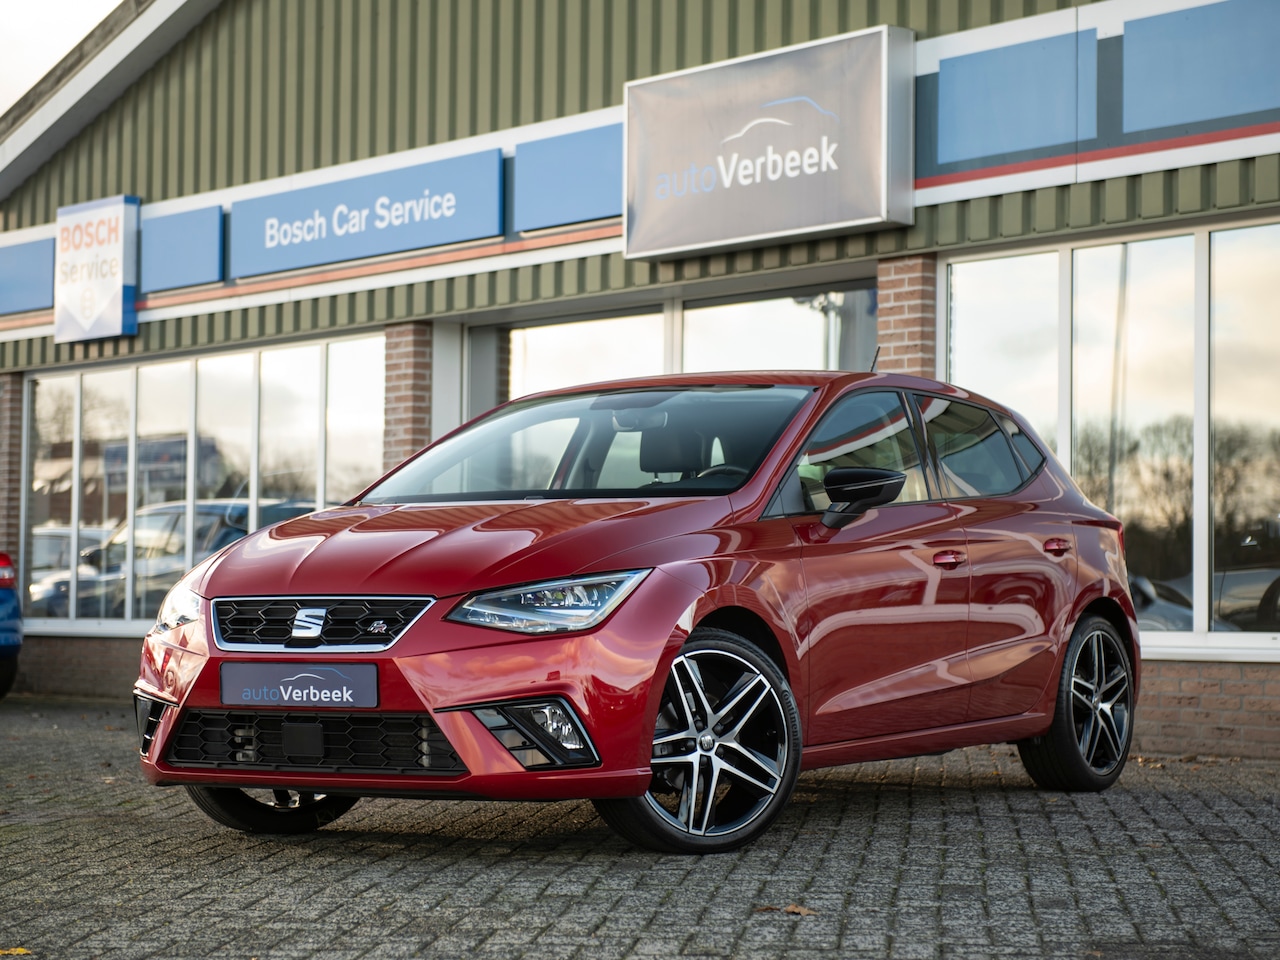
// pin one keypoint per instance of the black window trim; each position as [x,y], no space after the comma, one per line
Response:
[1024,471]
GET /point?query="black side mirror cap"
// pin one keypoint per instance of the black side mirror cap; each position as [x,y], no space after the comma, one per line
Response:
[855,490]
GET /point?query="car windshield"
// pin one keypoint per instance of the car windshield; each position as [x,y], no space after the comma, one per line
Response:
[661,442]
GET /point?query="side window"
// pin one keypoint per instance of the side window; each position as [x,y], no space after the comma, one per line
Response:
[861,430]
[1027,450]
[974,456]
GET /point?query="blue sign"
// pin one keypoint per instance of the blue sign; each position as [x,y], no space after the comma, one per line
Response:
[569,179]
[428,205]
[182,249]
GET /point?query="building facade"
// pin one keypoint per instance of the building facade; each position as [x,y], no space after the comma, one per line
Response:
[1090,232]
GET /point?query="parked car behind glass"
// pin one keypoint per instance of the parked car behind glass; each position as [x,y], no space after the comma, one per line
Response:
[160,543]
[10,624]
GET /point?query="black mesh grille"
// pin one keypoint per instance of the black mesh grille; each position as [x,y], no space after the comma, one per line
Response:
[352,742]
[368,622]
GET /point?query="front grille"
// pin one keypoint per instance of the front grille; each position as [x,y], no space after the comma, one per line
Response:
[316,742]
[289,623]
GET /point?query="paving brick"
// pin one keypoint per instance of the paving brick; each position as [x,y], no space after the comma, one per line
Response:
[945,857]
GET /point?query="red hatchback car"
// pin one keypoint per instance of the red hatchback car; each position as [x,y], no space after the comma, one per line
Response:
[666,595]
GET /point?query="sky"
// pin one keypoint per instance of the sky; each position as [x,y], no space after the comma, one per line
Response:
[38,33]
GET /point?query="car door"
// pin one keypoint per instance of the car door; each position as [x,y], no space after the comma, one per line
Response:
[884,617]
[1021,552]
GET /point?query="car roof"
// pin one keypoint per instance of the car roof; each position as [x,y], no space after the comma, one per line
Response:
[837,379]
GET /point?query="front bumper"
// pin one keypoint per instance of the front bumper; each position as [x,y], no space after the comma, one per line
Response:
[452,714]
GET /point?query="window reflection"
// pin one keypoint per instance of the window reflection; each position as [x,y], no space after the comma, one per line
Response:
[148,444]
[1246,428]
[105,410]
[353,445]
[160,521]
[584,351]
[1004,335]
[288,428]
[784,334]
[224,397]
[1134,397]
[51,546]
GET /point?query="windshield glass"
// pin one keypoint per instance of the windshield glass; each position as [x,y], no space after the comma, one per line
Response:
[663,442]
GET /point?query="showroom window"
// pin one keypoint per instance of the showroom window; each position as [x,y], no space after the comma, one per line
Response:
[140,472]
[1173,348]
[831,329]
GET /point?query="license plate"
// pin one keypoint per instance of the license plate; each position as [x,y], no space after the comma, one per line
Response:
[303,685]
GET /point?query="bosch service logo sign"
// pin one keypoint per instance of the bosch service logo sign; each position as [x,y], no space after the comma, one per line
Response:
[803,141]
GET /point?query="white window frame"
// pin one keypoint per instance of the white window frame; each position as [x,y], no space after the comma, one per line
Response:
[1200,643]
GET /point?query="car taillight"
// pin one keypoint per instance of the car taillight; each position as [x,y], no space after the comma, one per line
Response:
[8,575]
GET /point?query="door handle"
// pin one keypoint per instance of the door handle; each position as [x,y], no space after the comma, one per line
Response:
[1058,546]
[948,559]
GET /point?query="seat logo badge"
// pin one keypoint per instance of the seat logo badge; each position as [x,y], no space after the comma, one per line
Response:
[378,626]
[308,622]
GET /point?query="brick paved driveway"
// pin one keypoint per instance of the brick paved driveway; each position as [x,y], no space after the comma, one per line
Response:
[946,857]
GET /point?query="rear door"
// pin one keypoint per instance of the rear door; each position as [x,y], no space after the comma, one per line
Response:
[1021,553]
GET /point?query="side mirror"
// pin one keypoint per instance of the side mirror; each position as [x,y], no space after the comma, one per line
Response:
[855,490]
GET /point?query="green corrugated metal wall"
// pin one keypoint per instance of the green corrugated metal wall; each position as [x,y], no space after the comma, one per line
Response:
[265,88]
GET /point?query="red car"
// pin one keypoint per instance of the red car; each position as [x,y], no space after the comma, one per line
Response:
[666,595]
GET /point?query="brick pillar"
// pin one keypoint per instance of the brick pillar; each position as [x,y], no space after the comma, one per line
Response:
[10,462]
[407,421]
[907,324]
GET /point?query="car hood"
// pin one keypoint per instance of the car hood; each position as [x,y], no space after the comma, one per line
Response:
[447,549]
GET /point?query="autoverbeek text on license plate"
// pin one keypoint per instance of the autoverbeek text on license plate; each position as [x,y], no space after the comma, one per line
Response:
[299,685]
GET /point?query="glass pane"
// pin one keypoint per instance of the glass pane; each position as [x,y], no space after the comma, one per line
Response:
[164,416]
[1004,335]
[289,427]
[353,447]
[785,334]
[1134,366]
[104,485]
[974,456]
[49,549]
[224,415]
[1245,288]
[863,430]
[586,351]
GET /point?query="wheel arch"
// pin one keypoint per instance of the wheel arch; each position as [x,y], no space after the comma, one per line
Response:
[1111,611]
[754,628]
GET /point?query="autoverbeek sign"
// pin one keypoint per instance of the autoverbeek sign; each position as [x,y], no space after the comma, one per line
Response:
[809,140]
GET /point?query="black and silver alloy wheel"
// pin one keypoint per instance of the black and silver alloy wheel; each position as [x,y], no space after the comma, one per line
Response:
[1088,744]
[270,811]
[726,751]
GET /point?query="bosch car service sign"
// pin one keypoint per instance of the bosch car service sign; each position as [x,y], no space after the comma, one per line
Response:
[809,140]
[96,270]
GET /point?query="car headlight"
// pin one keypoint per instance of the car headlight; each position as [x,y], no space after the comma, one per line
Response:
[181,605]
[556,606]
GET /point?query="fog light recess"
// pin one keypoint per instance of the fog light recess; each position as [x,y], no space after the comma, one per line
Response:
[148,713]
[539,733]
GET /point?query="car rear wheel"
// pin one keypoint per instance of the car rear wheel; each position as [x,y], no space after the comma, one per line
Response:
[270,811]
[726,751]
[1088,743]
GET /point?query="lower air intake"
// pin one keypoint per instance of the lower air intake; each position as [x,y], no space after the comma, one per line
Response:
[315,742]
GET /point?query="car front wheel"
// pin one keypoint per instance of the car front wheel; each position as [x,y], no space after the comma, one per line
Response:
[726,751]
[1088,743]
[270,811]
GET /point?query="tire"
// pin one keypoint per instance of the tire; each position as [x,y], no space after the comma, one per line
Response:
[726,751]
[270,811]
[1088,743]
[8,673]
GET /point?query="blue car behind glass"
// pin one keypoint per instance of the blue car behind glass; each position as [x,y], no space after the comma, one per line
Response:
[10,624]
